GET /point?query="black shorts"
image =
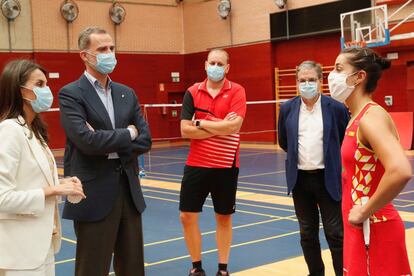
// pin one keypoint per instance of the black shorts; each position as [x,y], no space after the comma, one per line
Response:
[198,182]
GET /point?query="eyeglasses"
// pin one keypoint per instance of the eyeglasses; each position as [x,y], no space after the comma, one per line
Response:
[307,80]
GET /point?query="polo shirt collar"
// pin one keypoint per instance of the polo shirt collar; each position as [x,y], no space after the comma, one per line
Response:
[226,86]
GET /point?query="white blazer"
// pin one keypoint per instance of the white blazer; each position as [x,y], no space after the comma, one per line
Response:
[26,218]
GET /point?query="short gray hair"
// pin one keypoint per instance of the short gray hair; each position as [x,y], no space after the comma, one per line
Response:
[84,39]
[309,65]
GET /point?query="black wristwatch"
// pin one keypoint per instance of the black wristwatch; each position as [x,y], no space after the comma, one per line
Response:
[198,124]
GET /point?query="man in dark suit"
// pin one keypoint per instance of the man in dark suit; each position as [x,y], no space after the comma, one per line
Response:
[311,128]
[105,132]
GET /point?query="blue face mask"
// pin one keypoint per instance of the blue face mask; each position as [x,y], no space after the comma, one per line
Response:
[105,63]
[215,72]
[44,98]
[308,90]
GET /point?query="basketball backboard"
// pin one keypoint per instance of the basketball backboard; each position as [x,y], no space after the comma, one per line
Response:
[366,27]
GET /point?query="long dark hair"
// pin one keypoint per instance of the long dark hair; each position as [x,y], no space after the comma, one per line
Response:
[15,74]
[368,60]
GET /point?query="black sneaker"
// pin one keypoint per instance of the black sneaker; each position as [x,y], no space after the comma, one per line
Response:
[220,273]
[197,272]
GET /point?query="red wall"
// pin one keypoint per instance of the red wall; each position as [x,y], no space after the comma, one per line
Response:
[141,72]
[252,66]
[324,49]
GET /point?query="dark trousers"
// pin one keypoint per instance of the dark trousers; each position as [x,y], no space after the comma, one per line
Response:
[119,233]
[308,194]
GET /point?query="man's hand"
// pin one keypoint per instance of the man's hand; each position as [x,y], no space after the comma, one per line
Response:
[134,133]
[89,126]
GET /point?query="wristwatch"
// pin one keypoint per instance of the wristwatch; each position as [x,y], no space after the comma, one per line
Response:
[198,124]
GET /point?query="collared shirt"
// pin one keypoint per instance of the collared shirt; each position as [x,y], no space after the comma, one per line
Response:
[106,97]
[220,151]
[310,134]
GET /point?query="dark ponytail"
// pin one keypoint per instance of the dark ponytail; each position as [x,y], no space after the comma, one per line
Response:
[368,60]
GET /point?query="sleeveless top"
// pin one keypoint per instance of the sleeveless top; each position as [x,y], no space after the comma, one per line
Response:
[361,172]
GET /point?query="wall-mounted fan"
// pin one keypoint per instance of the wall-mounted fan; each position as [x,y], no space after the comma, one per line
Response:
[117,13]
[224,8]
[69,10]
[281,4]
[10,9]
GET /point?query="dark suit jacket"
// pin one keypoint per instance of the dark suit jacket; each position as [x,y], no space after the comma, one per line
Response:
[335,118]
[86,151]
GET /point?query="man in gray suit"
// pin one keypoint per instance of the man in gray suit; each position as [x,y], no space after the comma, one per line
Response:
[105,132]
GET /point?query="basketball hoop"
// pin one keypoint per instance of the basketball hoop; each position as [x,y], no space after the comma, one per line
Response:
[355,44]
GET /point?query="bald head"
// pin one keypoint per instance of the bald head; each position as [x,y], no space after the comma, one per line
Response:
[216,52]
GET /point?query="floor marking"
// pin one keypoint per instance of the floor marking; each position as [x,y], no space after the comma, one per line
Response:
[261,174]
[65,261]
[213,232]
[68,240]
[166,164]
[211,206]
[233,246]
[238,203]
[250,196]
[168,157]
[407,192]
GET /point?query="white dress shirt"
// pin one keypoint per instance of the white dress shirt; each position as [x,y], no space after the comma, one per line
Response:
[310,135]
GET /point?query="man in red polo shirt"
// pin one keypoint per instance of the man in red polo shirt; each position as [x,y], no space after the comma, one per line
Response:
[212,115]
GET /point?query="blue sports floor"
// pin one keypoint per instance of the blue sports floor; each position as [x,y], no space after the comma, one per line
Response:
[265,226]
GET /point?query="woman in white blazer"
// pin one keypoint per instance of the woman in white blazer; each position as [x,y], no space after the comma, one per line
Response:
[29,223]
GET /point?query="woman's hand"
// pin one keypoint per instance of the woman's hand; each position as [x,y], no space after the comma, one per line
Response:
[67,186]
[357,216]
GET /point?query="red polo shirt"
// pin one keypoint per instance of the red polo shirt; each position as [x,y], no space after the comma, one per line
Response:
[220,151]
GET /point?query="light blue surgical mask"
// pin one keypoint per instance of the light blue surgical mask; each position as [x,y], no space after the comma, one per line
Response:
[215,72]
[105,62]
[308,90]
[44,98]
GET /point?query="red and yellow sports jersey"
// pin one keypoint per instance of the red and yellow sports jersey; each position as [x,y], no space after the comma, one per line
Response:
[361,174]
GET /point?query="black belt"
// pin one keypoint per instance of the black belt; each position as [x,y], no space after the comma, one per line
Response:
[312,171]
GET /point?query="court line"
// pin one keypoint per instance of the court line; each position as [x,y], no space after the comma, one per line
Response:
[261,174]
[242,187]
[68,240]
[211,206]
[404,206]
[273,219]
[167,157]
[240,182]
[206,233]
[244,176]
[261,190]
[213,232]
[257,153]
[232,246]
[238,203]
[65,261]
[404,200]
[166,164]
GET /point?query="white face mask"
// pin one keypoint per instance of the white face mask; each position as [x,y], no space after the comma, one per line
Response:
[338,87]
